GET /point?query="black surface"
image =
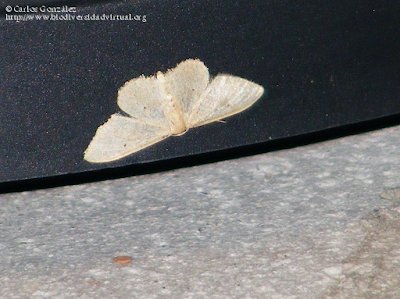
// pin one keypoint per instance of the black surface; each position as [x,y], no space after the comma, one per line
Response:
[323,65]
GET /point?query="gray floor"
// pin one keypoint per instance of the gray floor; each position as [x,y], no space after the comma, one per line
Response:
[319,221]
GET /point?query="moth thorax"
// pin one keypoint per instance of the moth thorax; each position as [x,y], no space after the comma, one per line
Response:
[175,117]
[178,128]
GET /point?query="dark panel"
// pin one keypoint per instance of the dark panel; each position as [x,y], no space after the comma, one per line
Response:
[323,63]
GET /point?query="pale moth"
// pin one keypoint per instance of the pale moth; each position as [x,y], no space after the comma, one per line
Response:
[168,104]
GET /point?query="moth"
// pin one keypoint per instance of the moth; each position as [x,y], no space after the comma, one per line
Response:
[169,104]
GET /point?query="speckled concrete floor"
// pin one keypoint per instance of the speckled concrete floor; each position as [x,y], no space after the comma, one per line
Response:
[315,221]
